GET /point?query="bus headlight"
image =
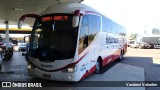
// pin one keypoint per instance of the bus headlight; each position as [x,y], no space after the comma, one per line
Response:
[70,69]
[30,66]
[1,49]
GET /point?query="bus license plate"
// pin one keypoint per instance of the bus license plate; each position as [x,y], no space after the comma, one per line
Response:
[46,76]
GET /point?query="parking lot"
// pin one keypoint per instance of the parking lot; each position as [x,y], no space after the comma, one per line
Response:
[149,59]
[138,65]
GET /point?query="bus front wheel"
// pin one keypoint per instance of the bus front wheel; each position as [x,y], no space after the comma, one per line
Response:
[98,67]
[0,67]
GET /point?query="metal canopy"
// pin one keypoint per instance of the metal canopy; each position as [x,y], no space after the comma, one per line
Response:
[11,10]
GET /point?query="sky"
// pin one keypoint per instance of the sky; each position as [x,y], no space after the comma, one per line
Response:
[134,15]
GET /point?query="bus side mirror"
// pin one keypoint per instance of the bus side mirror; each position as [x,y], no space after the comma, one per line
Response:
[22,18]
[75,21]
[76,16]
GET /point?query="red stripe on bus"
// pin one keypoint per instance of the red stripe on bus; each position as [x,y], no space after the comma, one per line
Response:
[92,70]
[114,56]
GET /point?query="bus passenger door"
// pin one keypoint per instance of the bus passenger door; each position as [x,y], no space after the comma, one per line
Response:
[83,36]
[83,44]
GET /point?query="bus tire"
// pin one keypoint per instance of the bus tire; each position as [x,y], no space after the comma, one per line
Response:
[98,67]
[3,56]
[121,56]
[0,67]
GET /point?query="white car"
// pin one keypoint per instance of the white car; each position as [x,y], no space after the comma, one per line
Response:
[22,46]
[134,44]
[9,54]
[10,45]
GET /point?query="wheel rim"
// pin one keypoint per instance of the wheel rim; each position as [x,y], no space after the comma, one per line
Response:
[121,56]
[97,67]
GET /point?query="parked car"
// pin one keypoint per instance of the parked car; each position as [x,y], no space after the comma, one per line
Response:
[15,42]
[6,54]
[134,44]
[146,45]
[20,41]
[22,46]
[1,40]
[10,44]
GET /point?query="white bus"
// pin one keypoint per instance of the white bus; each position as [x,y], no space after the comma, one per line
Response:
[70,41]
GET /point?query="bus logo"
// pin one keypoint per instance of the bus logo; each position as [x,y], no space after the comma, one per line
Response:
[6,84]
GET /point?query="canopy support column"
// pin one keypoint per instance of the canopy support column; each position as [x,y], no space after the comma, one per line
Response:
[7,34]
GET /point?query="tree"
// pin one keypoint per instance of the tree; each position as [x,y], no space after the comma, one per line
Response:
[123,34]
[133,36]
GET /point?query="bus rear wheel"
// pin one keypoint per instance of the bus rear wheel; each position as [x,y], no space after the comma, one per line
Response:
[121,56]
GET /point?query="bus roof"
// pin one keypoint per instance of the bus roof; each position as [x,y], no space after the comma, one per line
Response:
[67,8]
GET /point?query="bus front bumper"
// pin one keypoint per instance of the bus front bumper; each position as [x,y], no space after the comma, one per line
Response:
[56,75]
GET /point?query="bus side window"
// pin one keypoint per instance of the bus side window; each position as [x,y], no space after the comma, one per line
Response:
[83,36]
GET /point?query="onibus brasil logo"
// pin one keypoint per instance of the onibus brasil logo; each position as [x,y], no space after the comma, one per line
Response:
[20,84]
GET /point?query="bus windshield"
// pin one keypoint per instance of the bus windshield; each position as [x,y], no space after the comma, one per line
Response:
[54,38]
